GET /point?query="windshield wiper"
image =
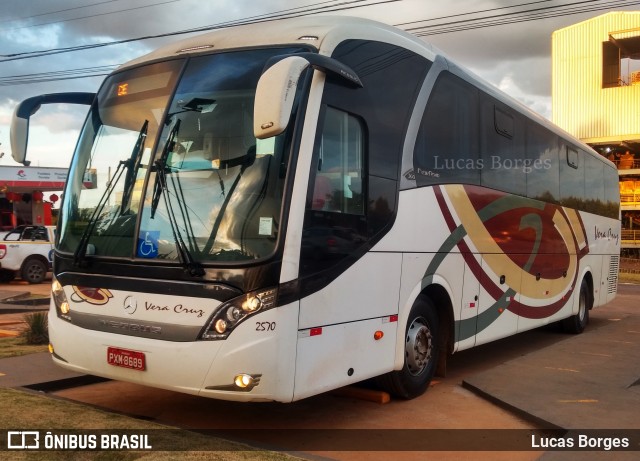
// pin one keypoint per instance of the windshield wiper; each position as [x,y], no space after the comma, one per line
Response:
[81,250]
[161,164]
[244,163]
[191,266]
[133,165]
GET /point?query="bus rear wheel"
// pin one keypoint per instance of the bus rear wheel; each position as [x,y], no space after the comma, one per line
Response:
[578,322]
[421,353]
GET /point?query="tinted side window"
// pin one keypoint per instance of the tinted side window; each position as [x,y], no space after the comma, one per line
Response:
[339,179]
[611,191]
[354,179]
[446,149]
[571,178]
[392,77]
[335,222]
[502,147]
[541,167]
[594,182]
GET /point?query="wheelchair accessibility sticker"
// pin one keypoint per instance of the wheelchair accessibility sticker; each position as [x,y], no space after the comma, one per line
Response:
[148,244]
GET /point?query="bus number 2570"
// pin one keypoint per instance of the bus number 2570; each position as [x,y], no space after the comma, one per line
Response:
[265,326]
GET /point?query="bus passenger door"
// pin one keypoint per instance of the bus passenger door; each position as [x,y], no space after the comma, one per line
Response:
[349,294]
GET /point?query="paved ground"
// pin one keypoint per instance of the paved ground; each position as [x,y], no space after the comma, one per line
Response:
[18,298]
[577,384]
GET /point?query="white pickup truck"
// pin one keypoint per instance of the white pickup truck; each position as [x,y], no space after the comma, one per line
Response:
[27,251]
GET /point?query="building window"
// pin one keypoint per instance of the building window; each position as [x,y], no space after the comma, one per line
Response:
[621,60]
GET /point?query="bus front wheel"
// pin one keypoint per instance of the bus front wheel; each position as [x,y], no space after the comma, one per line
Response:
[421,353]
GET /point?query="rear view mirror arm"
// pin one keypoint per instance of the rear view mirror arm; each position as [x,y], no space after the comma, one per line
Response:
[326,64]
[28,107]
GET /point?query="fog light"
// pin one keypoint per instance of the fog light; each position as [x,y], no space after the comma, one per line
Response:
[245,382]
[50,348]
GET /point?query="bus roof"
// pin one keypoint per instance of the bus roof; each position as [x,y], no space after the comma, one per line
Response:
[324,33]
[321,32]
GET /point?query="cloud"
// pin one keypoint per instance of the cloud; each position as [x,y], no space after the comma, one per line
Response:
[60,118]
[514,57]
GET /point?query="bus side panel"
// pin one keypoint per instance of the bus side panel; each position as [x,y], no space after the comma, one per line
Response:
[495,320]
[419,226]
[366,290]
[337,355]
[337,326]
[416,276]
[603,235]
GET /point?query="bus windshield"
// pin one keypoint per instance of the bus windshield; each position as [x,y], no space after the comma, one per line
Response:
[179,178]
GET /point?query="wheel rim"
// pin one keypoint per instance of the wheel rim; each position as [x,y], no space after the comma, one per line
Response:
[418,346]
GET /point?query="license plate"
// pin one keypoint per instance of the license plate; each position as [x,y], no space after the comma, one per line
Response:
[126,359]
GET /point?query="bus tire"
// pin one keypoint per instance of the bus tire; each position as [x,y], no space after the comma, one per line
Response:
[578,322]
[421,353]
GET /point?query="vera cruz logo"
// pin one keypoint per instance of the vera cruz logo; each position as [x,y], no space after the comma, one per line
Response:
[95,296]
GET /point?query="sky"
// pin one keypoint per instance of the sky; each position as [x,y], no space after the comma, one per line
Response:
[514,57]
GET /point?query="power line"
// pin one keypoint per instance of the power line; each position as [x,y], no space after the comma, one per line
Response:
[325,6]
[68,74]
[58,11]
[519,16]
[449,16]
[94,15]
[282,14]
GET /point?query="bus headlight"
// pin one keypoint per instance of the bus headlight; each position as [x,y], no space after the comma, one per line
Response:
[235,311]
[60,300]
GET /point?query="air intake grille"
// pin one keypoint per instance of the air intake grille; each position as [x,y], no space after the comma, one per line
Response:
[613,274]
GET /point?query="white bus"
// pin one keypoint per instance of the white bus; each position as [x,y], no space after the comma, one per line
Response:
[286,208]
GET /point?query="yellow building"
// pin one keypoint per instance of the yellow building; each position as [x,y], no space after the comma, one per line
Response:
[596,97]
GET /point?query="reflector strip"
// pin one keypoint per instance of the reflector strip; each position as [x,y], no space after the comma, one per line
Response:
[310,332]
[390,319]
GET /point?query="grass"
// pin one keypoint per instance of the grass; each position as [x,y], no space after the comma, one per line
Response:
[37,331]
[23,410]
[15,346]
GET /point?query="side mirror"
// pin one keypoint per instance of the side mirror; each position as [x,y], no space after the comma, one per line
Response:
[276,90]
[275,94]
[19,132]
